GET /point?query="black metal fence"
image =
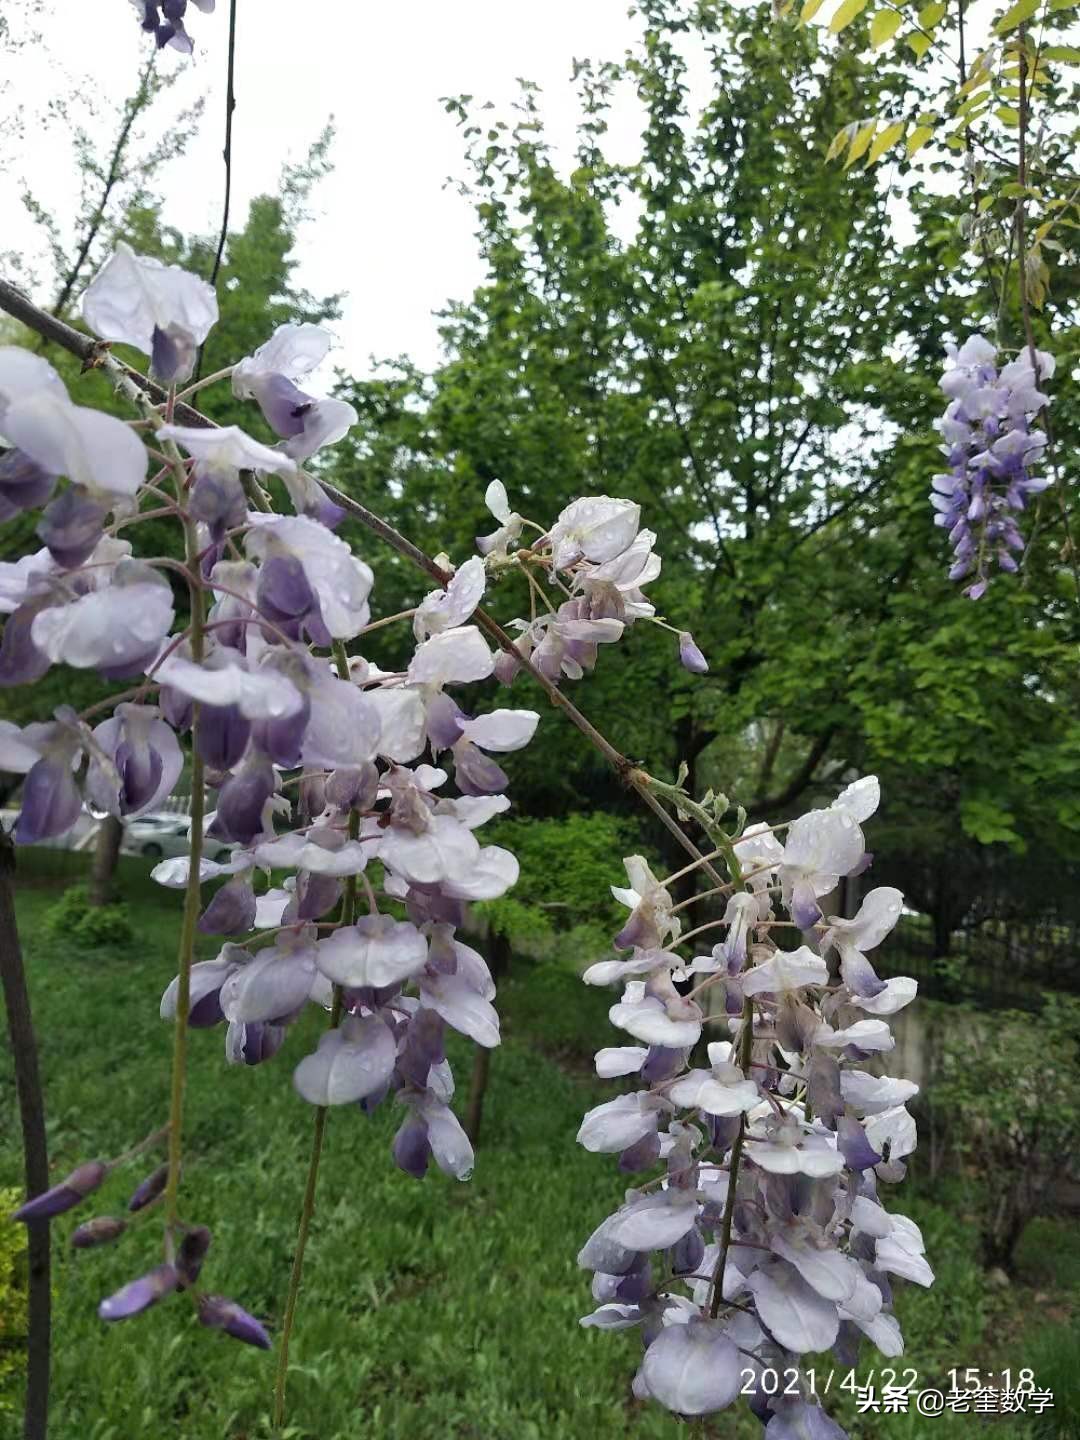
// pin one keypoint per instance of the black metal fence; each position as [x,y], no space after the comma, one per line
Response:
[1000,961]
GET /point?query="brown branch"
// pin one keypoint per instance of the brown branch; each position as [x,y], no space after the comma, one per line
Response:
[799,781]
[226,155]
[20,1026]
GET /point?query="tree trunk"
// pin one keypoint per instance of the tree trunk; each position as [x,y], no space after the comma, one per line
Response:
[499,953]
[106,853]
[942,928]
[35,1154]
[478,1083]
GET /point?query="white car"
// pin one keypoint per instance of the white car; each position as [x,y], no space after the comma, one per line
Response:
[160,836]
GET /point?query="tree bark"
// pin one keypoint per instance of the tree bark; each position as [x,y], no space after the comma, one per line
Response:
[35,1153]
[942,928]
[499,953]
[478,1083]
[106,853]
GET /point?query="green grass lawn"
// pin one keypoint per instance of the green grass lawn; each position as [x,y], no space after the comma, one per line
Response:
[431,1309]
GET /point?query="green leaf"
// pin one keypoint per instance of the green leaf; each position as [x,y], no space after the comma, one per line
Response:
[929,15]
[840,140]
[986,821]
[859,145]
[849,10]
[918,42]
[1007,115]
[884,26]
[809,10]
[1021,11]
[885,141]
[918,138]
[1069,54]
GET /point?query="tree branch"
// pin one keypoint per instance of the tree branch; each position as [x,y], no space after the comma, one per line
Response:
[131,110]
[799,781]
[226,155]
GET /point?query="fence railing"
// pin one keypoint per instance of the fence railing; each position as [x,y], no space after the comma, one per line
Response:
[996,961]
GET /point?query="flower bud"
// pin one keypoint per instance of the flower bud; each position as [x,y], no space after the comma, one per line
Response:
[690,657]
[140,1294]
[70,1192]
[220,1313]
[99,1231]
[190,1255]
[149,1189]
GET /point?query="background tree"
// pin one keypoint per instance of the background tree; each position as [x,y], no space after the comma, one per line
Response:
[729,332]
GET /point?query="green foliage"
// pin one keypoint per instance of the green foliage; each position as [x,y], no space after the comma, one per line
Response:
[567,869]
[1053,1353]
[724,329]
[12,1302]
[88,927]
[524,926]
[547,1004]
[1008,1098]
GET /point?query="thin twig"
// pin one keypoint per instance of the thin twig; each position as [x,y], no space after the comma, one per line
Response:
[230,106]
[137,103]
[307,1209]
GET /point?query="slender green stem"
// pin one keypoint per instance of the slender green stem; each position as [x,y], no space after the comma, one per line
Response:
[307,1208]
[746,1040]
[192,893]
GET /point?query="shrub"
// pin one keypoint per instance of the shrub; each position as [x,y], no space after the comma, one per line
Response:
[1008,1104]
[88,927]
[12,1303]
[578,858]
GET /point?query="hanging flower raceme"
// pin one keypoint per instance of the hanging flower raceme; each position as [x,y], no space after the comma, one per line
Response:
[758,1241]
[993,452]
[596,556]
[318,769]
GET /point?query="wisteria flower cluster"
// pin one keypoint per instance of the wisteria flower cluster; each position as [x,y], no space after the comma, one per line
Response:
[349,864]
[597,559]
[164,19]
[763,1239]
[330,775]
[992,451]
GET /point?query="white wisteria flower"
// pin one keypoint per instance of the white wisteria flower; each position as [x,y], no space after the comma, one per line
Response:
[162,310]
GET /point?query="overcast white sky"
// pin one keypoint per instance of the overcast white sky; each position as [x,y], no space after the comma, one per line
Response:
[388,231]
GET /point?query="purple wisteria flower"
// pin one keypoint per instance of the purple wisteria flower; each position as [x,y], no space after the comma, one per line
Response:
[599,559]
[164,19]
[992,451]
[218,1312]
[162,310]
[138,1295]
[71,1191]
[269,377]
[760,1237]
